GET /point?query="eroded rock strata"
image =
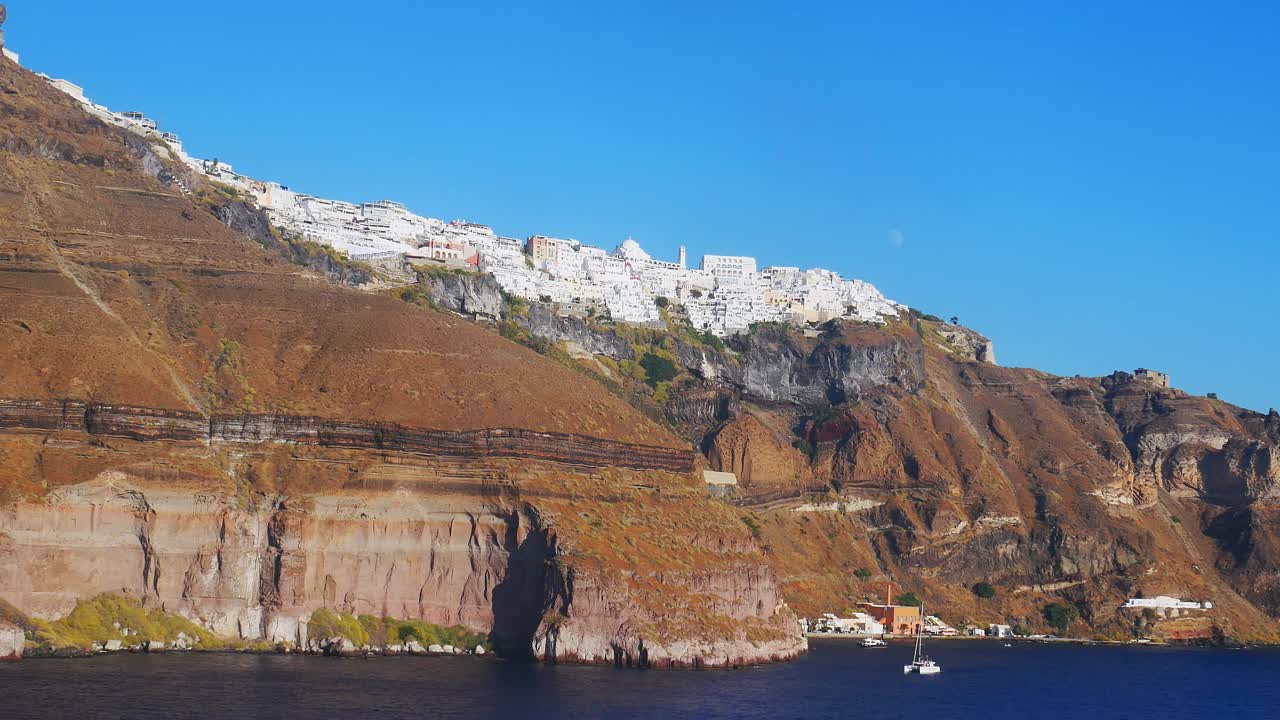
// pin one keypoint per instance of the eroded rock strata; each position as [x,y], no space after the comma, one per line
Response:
[197,422]
[249,542]
[155,424]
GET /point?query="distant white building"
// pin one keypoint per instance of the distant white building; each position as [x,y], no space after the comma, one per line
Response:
[69,88]
[729,269]
[726,294]
[1164,602]
[933,625]
[139,119]
[999,631]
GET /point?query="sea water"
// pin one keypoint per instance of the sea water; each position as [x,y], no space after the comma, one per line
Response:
[837,679]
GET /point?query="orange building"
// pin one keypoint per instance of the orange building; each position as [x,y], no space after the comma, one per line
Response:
[897,619]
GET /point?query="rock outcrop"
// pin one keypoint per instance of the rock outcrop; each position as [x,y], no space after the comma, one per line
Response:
[12,639]
[477,296]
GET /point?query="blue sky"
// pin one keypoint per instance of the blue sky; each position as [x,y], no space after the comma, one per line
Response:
[1093,185]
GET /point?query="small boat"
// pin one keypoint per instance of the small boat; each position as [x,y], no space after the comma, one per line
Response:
[920,663]
[872,642]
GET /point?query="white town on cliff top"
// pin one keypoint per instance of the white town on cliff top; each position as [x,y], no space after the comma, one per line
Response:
[724,295]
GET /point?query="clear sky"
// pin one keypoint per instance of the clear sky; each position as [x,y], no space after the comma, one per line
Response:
[1094,185]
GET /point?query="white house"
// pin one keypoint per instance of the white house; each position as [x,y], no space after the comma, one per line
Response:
[1164,602]
[859,624]
[933,625]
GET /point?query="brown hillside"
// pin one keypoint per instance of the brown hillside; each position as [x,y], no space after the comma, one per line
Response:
[115,288]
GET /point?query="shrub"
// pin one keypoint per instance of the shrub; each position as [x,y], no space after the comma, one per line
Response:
[372,630]
[752,524]
[657,369]
[540,344]
[1059,616]
[984,590]
[509,330]
[862,573]
[662,392]
[514,305]
[909,599]
[430,634]
[92,621]
[326,623]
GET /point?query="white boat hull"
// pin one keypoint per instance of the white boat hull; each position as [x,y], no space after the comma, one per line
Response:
[921,669]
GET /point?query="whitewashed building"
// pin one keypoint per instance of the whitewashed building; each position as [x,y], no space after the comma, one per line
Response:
[1164,602]
[724,295]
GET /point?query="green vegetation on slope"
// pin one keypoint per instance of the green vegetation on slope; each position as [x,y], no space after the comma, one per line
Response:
[95,621]
[370,630]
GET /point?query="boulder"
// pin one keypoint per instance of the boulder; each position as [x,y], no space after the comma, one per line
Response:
[12,639]
[415,648]
[339,646]
[449,649]
[113,646]
[435,648]
[479,649]
[154,646]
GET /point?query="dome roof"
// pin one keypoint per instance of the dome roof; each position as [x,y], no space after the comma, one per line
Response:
[630,249]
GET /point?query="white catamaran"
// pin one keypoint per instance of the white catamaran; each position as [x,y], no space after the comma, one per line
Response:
[920,663]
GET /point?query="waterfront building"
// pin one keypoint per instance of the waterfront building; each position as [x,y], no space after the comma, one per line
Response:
[898,619]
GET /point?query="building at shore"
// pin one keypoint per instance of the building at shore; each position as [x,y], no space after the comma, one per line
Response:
[896,619]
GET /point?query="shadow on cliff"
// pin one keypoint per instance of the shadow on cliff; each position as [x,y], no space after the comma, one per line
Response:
[521,598]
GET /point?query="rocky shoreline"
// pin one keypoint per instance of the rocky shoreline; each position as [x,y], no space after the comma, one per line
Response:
[1209,642]
[322,647]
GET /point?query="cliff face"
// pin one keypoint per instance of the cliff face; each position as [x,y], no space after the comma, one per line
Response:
[901,452]
[1076,489]
[188,419]
[564,562]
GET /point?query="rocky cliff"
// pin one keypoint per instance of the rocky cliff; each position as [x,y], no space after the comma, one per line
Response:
[197,414]
[867,454]
[1054,489]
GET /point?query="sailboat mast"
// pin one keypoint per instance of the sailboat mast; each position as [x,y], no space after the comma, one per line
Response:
[919,632]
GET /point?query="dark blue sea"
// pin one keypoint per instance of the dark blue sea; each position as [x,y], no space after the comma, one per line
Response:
[836,680]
